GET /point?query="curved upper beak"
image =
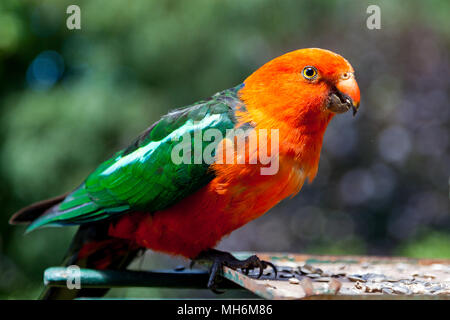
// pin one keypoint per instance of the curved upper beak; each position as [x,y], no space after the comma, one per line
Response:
[345,97]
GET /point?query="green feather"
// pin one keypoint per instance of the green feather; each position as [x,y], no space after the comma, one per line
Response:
[143,176]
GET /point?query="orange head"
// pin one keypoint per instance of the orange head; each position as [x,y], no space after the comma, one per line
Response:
[300,86]
[298,93]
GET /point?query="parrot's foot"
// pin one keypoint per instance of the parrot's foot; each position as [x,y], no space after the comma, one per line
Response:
[220,259]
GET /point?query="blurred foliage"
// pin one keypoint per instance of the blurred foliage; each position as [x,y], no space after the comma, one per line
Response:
[429,245]
[69,99]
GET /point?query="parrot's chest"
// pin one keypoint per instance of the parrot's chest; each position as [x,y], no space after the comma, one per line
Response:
[255,194]
[200,220]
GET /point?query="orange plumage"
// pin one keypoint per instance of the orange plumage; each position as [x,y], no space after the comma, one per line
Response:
[280,96]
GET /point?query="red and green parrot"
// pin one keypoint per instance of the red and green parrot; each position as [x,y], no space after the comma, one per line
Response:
[141,199]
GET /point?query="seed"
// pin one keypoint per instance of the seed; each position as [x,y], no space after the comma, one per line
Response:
[446,292]
[318,270]
[374,277]
[373,288]
[358,285]
[418,289]
[435,288]
[285,269]
[355,278]
[400,290]
[322,279]
[391,280]
[386,290]
[294,281]
[306,269]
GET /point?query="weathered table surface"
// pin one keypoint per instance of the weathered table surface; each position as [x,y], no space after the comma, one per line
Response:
[347,277]
[299,277]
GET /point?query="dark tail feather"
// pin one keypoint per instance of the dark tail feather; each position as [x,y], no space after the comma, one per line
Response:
[92,248]
[35,210]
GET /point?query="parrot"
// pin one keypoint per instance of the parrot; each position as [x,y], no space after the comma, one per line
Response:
[141,199]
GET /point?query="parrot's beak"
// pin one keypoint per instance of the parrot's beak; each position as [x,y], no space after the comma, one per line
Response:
[344,97]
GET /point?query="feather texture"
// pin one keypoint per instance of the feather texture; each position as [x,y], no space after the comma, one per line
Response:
[143,176]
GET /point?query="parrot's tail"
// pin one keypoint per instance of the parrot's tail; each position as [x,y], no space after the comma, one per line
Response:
[35,210]
[93,248]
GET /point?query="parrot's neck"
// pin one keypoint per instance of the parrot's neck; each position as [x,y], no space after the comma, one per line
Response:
[300,138]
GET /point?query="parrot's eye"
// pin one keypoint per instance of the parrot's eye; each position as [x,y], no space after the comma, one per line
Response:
[346,75]
[309,73]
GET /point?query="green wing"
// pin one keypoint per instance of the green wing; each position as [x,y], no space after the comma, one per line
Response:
[143,176]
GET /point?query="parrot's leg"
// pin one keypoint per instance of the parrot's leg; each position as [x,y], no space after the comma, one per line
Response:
[220,259]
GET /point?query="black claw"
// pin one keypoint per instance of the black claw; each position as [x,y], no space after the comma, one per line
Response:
[212,275]
[270,264]
[216,291]
[212,282]
[260,273]
[220,259]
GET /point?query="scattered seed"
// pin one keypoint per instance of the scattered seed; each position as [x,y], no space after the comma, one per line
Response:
[439,292]
[373,288]
[354,278]
[285,276]
[359,285]
[400,290]
[435,288]
[417,289]
[386,290]
[390,279]
[367,277]
[285,269]
[306,269]
[373,277]
[406,280]
[319,271]
[322,279]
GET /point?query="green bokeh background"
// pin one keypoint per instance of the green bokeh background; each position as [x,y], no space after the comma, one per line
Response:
[383,182]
